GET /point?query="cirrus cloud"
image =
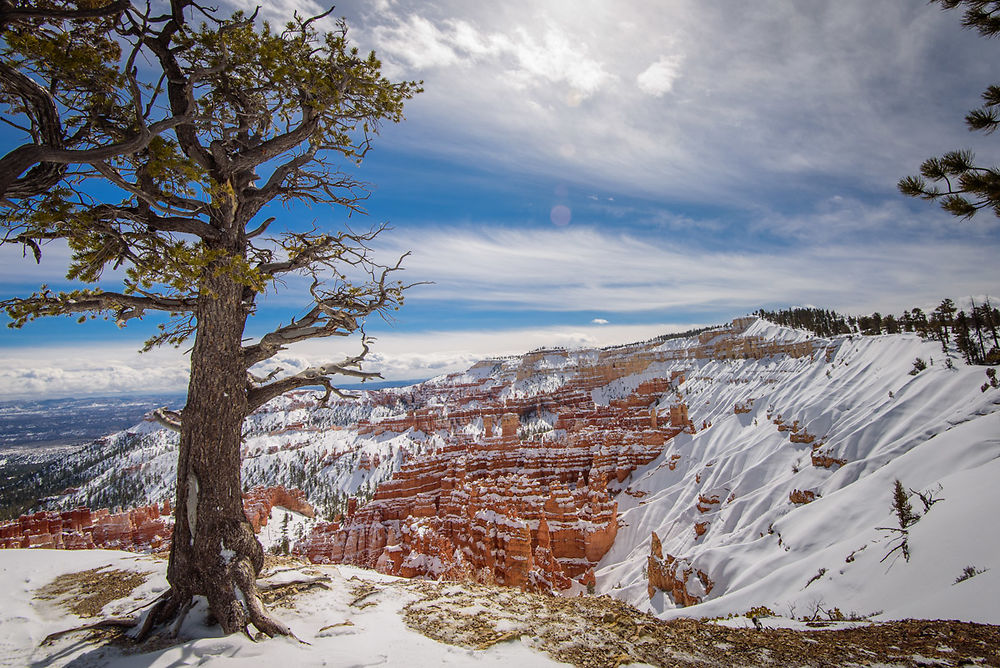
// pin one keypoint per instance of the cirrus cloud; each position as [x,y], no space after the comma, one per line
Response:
[658,79]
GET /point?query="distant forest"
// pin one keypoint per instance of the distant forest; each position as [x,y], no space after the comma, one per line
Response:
[974,333]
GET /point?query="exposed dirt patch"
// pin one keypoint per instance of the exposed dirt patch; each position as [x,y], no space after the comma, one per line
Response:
[87,592]
[600,632]
[276,562]
[283,595]
[361,591]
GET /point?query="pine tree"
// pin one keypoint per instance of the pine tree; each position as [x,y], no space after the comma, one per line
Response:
[229,115]
[284,534]
[963,339]
[901,506]
[943,318]
[967,187]
[991,318]
[977,325]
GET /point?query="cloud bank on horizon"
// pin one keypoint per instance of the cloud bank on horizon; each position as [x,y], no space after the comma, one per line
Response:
[579,171]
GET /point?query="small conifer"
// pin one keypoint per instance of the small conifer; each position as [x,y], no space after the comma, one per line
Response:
[901,506]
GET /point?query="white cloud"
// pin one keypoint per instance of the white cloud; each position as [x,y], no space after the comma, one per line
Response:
[103,369]
[658,79]
[90,370]
[467,38]
[766,102]
[758,101]
[599,321]
[521,58]
[557,59]
[586,269]
[417,42]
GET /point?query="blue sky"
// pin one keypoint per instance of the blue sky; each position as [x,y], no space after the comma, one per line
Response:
[587,173]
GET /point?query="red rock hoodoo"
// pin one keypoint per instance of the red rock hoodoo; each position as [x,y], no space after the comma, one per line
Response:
[499,503]
[145,529]
[527,511]
[685,584]
[142,529]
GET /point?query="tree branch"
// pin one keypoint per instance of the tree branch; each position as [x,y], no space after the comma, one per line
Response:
[279,144]
[180,85]
[306,249]
[155,223]
[123,307]
[10,14]
[45,118]
[168,418]
[313,377]
[52,159]
[315,324]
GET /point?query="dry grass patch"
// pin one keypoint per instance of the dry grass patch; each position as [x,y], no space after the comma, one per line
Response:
[85,593]
[600,632]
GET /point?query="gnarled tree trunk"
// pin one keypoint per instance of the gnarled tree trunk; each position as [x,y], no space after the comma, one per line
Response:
[214,552]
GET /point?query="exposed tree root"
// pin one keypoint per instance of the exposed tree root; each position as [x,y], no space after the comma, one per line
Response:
[178,620]
[150,617]
[111,622]
[167,613]
[362,592]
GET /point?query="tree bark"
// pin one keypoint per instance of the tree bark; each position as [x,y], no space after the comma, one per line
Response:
[214,552]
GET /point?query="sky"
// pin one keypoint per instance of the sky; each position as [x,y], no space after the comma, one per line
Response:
[588,173]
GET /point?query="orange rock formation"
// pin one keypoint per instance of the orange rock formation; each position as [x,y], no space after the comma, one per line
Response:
[145,529]
[526,512]
[800,496]
[259,501]
[139,529]
[824,460]
[685,584]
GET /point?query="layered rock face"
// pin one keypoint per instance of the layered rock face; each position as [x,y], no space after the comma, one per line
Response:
[497,503]
[499,500]
[685,584]
[145,529]
[529,516]
[259,501]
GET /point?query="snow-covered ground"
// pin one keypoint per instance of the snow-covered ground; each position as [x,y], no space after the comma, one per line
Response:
[332,631]
[346,617]
[935,431]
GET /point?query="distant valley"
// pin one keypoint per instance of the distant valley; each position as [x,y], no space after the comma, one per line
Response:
[30,423]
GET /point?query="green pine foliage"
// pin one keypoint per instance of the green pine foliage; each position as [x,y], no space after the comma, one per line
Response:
[821,322]
[954,180]
[901,506]
[973,333]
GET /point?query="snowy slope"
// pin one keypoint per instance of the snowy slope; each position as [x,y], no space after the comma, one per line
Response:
[346,617]
[935,431]
[292,441]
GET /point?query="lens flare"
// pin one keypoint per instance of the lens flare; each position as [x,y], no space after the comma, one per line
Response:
[560,215]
